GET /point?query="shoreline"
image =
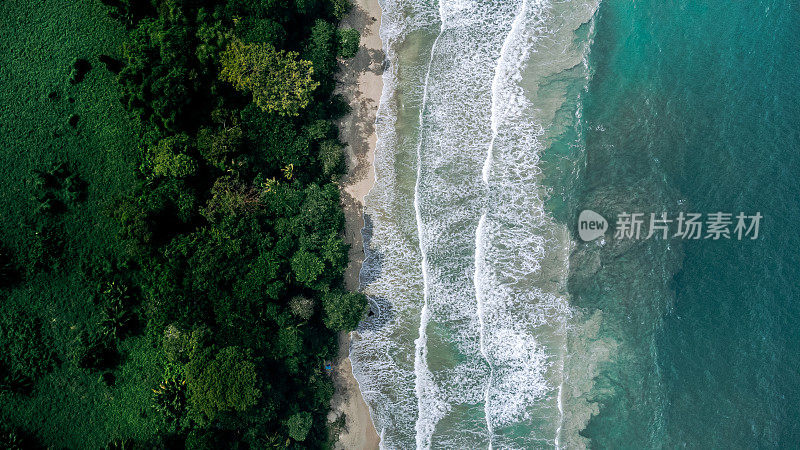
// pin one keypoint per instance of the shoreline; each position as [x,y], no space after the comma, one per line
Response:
[360,81]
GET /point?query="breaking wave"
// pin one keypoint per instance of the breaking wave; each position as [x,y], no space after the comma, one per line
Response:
[465,268]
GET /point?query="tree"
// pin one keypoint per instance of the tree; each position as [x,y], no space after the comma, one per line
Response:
[320,129]
[254,29]
[224,382]
[307,267]
[339,8]
[169,398]
[299,425]
[263,280]
[289,342]
[331,158]
[212,35]
[280,83]
[94,351]
[176,344]
[334,251]
[301,307]
[348,42]
[160,80]
[343,310]
[127,11]
[321,50]
[320,210]
[275,139]
[230,198]
[168,158]
[15,438]
[218,146]
[115,321]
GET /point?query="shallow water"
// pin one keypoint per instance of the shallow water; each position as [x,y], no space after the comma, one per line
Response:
[494,324]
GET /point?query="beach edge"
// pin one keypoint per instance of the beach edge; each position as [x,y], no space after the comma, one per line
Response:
[360,82]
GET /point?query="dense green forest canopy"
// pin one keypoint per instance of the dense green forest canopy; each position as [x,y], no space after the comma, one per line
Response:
[172,275]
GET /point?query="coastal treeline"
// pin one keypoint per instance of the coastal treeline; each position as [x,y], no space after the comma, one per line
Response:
[212,311]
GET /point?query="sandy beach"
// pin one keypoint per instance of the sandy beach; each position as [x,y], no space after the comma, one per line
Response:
[360,82]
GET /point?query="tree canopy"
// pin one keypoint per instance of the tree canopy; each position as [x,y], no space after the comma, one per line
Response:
[279,81]
[299,425]
[221,382]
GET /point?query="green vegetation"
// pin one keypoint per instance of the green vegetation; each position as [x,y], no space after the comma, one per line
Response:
[349,38]
[221,383]
[279,82]
[171,257]
[299,425]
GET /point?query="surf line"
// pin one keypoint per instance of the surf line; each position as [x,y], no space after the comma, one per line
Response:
[480,230]
[481,326]
[422,374]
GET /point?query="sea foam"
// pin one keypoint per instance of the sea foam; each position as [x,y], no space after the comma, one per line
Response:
[465,269]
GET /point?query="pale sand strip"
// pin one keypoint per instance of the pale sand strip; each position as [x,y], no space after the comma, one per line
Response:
[360,82]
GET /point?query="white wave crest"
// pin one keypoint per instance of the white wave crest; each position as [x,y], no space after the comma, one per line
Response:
[465,270]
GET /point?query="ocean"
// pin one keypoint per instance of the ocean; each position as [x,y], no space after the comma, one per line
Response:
[494,325]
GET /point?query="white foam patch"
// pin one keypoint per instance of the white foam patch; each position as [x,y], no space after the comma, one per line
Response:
[521,256]
[454,133]
[469,330]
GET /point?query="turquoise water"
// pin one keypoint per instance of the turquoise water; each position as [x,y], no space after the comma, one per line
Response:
[493,325]
[699,104]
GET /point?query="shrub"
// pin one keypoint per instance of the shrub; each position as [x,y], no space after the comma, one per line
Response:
[26,345]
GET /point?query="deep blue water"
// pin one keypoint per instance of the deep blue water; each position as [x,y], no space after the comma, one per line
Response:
[695,106]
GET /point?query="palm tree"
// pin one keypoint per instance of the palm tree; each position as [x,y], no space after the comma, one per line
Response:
[170,397]
[115,321]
